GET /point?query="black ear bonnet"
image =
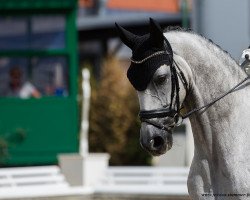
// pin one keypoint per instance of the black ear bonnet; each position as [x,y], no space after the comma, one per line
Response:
[143,64]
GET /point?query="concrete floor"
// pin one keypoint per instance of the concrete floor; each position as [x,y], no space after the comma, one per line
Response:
[109,197]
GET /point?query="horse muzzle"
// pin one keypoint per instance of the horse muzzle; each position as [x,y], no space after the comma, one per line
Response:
[156,130]
[155,141]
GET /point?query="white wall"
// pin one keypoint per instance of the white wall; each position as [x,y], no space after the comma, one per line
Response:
[226,22]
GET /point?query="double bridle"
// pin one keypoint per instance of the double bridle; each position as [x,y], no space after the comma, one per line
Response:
[173,110]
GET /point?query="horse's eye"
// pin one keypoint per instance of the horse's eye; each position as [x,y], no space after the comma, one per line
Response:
[160,80]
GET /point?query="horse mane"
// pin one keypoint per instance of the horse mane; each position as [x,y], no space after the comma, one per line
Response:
[209,41]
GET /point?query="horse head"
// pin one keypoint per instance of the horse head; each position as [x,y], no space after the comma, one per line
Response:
[161,86]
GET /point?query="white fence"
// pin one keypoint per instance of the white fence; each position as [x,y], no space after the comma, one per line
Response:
[46,181]
[145,180]
[25,182]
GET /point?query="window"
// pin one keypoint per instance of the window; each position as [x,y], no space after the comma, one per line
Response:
[13,33]
[49,75]
[38,76]
[47,32]
[35,32]
[33,57]
[13,74]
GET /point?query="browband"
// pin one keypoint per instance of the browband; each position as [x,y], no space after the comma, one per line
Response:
[150,56]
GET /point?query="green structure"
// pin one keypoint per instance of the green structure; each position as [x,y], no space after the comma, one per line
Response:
[38,81]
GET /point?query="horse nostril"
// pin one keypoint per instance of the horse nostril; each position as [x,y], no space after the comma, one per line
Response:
[247,56]
[157,142]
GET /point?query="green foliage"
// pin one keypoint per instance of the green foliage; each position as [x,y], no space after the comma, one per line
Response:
[114,125]
[3,150]
[8,140]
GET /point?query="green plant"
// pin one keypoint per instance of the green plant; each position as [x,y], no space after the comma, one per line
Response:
[114,126]
[3,150]
[10,139]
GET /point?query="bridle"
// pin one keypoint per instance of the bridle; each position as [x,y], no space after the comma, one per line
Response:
[173,110]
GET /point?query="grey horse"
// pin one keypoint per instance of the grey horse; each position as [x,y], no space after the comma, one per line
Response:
[221,163]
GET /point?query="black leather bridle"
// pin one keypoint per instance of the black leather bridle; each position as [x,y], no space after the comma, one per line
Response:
[173,110]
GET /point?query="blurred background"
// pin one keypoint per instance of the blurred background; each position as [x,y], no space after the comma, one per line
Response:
[45,45]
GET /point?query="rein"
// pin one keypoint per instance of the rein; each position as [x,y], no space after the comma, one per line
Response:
[214,101]
[148,115]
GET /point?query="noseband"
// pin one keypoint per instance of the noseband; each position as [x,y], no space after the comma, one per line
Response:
[146,116]
[173,111]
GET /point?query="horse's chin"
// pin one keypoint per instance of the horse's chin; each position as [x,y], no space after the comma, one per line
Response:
[162,151]
[157,153]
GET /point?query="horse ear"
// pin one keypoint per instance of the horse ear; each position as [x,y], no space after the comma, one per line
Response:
[128,38]
[156,34]
[157,37]
[169,48]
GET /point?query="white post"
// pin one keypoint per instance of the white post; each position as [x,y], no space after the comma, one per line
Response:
[189,142]
[86,92]
[84,169]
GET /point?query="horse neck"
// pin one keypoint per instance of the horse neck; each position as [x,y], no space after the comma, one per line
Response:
[213,73]
[207,61]
[221,132]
